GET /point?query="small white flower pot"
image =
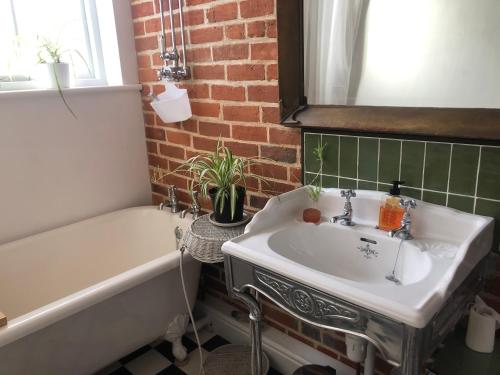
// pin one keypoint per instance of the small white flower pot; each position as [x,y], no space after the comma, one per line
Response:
[50,74]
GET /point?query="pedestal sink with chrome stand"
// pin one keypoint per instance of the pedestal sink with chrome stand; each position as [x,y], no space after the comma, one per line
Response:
[334,276]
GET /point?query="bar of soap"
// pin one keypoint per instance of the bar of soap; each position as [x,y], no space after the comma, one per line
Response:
[3,319]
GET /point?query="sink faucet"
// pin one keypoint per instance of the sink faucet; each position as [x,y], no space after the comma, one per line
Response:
[403,232]
[172,201]
[346,217]
[195,208]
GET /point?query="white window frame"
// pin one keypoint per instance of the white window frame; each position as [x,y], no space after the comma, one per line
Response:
[94,49]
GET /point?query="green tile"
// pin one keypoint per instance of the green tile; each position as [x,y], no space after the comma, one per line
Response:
[412,163]
[437,163]
[388,168]
[330,181]
[345,183]
[463,171]
[458,202]
[311,141]
[412,193]
[490,208]
[365,185]
[310,178]
[489,173]
[436,198]
[348,156]
[384,187]
[368,159]
[331,156]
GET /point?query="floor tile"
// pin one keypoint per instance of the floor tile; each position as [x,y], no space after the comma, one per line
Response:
[214,343]
[165,349]
[135,354]
[149,363]
[204,335]
[189,344]
[172,370]
[121,371]
[191,367]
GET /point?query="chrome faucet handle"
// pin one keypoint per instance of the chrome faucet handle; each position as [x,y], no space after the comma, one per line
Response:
[172,197]
[348,194]
[408,204]
[195,206]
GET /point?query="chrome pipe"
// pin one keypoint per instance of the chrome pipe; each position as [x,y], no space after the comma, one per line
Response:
[163,34]
[172,33]
[181,24]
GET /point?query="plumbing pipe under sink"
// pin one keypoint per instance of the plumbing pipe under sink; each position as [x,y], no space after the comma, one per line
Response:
[359,349]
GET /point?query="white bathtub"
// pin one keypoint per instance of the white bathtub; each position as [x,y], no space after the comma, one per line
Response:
[81,296]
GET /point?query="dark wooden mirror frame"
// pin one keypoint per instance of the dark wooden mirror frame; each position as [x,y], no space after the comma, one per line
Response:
[464,123]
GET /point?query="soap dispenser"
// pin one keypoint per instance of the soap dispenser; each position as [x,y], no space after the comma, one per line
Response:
[391,211]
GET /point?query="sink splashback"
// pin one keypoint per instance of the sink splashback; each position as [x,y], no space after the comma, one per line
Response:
[461,176]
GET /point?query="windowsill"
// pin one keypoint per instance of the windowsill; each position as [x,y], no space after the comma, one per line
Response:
[72,90]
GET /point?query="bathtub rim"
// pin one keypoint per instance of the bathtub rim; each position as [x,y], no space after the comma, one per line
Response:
[73,303]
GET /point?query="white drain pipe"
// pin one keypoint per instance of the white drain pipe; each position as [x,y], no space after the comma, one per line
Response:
[359,350]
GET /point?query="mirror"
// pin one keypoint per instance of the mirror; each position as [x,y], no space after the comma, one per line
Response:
[402,53]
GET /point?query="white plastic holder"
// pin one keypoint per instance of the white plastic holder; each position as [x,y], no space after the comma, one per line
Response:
[483,323]
[172,105]
[53,75]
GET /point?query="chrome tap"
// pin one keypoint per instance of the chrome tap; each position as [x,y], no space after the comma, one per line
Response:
[346,217]
[404,231]
[172,201]
[195,208]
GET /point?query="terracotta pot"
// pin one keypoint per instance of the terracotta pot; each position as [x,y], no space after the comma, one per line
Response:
[311,215]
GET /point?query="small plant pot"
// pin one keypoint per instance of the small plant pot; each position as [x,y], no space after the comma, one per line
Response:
[311,215]
[225,215]
[52,74]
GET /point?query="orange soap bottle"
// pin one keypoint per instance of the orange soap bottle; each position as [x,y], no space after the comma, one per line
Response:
[391,211]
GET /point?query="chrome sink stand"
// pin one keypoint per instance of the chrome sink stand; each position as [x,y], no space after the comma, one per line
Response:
[399,344]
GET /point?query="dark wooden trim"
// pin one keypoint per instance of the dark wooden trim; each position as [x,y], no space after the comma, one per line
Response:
[459,123]
[290,56]
[456,123]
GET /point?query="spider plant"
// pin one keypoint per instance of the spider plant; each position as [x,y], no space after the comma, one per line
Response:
[314,188]
[222,176]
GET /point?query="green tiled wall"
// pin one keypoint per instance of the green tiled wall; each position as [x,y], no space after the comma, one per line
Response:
[462,176]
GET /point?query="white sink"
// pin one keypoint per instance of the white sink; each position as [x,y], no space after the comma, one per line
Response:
[335,259]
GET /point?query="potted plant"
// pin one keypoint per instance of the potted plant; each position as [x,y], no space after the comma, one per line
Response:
[222,177]
[312,214]
[54,72]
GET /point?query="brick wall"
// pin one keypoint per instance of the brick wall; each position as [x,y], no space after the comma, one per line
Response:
[232,51]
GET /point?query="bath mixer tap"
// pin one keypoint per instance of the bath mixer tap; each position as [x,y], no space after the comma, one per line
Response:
[172,201]
[404,231]
[346,217]
[195,208]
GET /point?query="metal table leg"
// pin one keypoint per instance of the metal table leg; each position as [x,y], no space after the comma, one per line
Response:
[255,316]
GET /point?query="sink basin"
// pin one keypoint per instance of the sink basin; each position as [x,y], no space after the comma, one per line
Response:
[360,264]
[337,251]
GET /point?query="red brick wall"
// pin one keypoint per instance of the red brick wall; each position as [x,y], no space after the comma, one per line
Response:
[232,51]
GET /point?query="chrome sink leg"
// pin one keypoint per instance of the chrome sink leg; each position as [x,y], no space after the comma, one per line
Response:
[255,316]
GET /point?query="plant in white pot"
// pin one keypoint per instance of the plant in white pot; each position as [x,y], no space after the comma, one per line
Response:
[54,73]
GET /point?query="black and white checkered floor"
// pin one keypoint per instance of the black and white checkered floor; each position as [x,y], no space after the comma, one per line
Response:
[157,358]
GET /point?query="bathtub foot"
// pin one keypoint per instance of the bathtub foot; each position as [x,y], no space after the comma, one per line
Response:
[175,331]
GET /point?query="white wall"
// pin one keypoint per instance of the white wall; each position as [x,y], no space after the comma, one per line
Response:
[428,53]
[55,170]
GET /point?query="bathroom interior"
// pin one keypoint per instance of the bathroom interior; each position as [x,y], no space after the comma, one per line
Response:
[249,187]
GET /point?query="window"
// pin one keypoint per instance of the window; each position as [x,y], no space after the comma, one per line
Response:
[70,24]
